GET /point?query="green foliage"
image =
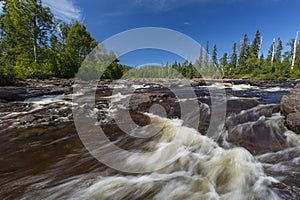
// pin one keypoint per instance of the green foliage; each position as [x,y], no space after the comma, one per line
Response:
[31,45]
[248,64]
[34,44]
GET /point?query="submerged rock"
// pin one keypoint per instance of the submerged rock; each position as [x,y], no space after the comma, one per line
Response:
[290,108]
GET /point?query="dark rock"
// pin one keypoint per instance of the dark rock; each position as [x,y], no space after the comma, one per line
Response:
[12,93]
[293,121]
[142,102]
[38,116]
[251,115]
[14,107]
[259,137]
[198,83]
[54,123]
[290,108]
[237,105]
[27,119]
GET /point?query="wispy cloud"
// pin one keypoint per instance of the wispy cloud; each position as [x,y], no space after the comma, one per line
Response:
[64,10]
[187,23]
[166,5]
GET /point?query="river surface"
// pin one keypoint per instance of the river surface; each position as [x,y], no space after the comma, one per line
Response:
[48,160]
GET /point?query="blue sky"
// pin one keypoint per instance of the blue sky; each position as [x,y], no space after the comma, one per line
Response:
[219,21]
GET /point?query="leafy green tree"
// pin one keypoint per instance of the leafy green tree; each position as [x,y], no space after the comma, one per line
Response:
[79,43]
[25,28]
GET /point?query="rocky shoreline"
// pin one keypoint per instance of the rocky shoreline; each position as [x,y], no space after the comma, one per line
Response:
[35,88]
[49,102]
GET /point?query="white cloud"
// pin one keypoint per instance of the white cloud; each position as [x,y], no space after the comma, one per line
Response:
[64,10]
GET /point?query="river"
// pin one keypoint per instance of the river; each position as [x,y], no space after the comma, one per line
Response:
[43,157]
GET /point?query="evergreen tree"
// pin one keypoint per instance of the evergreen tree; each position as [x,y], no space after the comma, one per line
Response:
[244,52]
[278,53]
[255,47]
[224,64]
[233,57]
[206,55]
[214,55]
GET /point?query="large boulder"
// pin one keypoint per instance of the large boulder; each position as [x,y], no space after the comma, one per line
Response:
[255,130]
[290,108]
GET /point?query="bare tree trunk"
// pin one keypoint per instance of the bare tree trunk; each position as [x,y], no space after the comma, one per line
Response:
[294,51]
[35,52]
[273,51]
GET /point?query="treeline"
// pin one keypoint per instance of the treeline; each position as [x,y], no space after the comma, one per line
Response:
[34,44]
[246,59]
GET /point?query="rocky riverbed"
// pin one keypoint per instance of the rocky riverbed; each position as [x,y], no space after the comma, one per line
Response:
[36,123]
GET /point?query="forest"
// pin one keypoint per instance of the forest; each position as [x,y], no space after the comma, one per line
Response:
[34,44]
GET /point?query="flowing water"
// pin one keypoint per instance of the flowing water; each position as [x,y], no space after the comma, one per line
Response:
[50,162]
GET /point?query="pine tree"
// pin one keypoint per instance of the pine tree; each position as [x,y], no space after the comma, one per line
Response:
[255,46]
[206,55]
[244,52]
[233,57]
[215,55]
[224,64]
[278,53]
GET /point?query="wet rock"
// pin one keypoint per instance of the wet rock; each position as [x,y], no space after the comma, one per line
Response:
[290,103]
[251,115]
[237,105]
[54,123]
[14,107]
[13,93]
[259,129]
[36,88]
[293,121]
[259,137]
[27,119]
[142,102]
[198,83]
[290,108]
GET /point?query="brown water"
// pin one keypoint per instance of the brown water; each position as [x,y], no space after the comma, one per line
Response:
[50,162]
